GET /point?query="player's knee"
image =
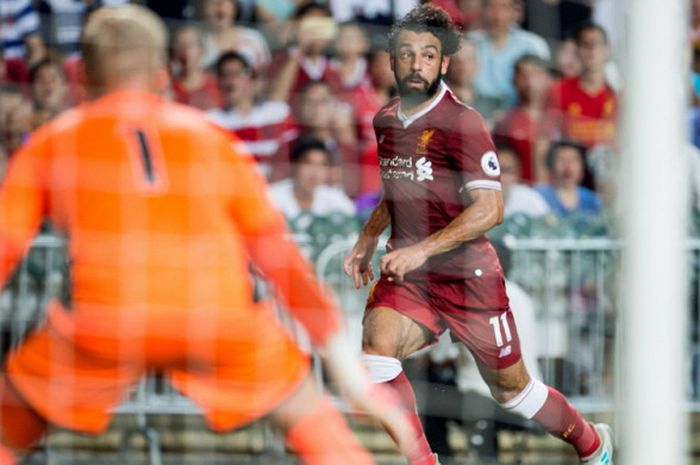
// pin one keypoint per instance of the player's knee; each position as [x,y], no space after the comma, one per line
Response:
[504,389]
[378,346]
[377,342]
[503,394]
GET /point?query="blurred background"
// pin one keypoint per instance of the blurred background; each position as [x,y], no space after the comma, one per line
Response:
[299,83]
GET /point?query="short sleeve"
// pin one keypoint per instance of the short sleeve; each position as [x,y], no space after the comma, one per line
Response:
[474,153]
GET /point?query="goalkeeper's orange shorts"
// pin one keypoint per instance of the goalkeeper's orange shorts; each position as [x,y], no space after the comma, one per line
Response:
[236,377]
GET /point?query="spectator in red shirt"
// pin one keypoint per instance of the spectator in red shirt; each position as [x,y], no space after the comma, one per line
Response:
[305,60]
[466,14]
[264,126]
[13,70]
[519,126]
[351,47]
[582,108]
[383,88]
[192,85]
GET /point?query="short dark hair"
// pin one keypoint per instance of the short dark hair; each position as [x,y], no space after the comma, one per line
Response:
[428,18]
[306,143]
[231,56]
[309,6]
[503,146]
[46,63]
[590,26]
[554,148]
[315,83]
[532,59]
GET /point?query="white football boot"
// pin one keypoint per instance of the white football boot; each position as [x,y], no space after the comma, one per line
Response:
[604,454]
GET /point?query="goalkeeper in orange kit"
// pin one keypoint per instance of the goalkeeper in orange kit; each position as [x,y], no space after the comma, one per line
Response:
[162,216]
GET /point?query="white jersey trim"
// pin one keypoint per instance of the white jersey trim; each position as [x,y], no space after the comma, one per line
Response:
[481,184]
[408,120]
[264,114]
[314,70]
[262,147]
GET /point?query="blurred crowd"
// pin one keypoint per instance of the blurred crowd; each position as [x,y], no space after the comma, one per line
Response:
[299,82]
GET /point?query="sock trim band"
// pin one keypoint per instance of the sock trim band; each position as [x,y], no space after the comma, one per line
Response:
[530,400]
[381,368]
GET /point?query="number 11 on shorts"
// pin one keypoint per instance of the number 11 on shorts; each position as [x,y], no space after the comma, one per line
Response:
[497,323]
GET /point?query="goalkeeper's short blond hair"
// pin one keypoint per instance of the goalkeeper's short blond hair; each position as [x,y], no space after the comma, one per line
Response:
[121,42]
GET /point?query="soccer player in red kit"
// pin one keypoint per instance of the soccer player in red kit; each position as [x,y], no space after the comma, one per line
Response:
[441,194]
[162,218]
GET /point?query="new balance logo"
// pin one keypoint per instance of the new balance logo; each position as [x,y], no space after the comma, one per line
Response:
[506,351]
[424,169]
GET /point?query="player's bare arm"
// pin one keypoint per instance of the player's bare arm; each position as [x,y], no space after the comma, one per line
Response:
[485,212]
[358,262]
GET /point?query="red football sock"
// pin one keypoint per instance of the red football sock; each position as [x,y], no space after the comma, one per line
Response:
[559,418]
[422,454]
[323,438]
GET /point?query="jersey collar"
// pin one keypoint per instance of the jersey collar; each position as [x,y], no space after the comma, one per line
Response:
[408,120]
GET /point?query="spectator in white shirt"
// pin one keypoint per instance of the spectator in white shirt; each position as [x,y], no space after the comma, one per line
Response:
[308,190]
[518,197]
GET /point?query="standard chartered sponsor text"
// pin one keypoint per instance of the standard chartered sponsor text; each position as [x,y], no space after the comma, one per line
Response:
[388,163]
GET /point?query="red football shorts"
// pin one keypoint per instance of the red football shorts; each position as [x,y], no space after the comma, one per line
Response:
[236,375]
[475,310]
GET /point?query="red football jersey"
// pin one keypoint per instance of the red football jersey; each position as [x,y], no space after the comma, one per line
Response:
[574,114]
[518,130]
[429,162]
[266,131]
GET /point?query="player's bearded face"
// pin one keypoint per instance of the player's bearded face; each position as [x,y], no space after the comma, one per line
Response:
[414,95]
[418,66]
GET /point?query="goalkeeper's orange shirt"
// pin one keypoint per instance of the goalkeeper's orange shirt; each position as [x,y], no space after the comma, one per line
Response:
[162,216]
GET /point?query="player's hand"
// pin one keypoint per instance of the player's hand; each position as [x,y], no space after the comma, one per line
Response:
[398,263]
[350,376]
[358,263]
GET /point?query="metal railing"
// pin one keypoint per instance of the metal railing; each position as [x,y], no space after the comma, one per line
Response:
[572,282]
